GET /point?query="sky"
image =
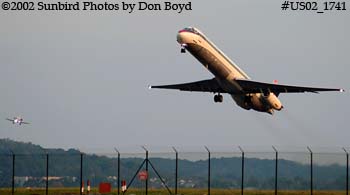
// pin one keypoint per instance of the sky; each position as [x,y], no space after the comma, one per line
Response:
[81,77]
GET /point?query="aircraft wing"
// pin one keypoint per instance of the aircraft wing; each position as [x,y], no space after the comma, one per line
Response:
[249,86]
[210,85]
[25,123]
[9,119]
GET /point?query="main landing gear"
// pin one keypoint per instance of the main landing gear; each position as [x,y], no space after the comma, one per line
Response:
[218,98]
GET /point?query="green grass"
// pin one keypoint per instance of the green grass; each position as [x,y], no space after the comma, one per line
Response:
[75,191]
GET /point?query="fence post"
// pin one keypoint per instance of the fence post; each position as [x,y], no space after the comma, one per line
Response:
[81,173]
[176,168]
[13,172]
[347,171]
[118,170]
[311,171]
[276,169]
[208,169]
[47,174]
[146,169]
[242,176]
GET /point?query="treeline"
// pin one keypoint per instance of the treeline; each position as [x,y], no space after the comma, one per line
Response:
[30,161]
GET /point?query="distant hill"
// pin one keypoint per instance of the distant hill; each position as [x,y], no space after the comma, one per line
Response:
[64,169]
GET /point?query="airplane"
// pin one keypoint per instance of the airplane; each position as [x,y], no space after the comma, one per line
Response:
[229,78]
[17,120]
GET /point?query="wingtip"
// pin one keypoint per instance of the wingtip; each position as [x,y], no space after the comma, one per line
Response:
[341,90]
[149,86]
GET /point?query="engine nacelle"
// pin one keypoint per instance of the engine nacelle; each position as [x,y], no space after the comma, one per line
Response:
[274,102]
[259,102]
[249,102]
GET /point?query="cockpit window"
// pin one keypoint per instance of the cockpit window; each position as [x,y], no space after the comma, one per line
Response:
[192,30]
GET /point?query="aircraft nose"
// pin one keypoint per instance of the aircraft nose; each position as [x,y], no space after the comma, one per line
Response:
[180,37]
[184,37]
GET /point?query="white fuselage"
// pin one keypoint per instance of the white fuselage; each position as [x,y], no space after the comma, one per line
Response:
[225,71]
[17,121]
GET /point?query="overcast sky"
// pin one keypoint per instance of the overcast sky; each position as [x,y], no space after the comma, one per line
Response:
[81,78]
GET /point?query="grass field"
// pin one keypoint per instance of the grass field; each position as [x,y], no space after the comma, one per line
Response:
[75,191]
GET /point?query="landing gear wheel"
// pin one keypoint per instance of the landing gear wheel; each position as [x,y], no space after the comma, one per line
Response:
[221,98]
[218,98]
[183,48]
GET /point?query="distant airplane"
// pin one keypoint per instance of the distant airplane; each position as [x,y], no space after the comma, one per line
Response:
[229,78]
[17,120]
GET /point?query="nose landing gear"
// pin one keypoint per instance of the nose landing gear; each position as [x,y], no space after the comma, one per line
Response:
[218,98]
[183,49]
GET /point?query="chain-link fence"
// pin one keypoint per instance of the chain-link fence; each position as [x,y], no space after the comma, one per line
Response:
[240,171]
